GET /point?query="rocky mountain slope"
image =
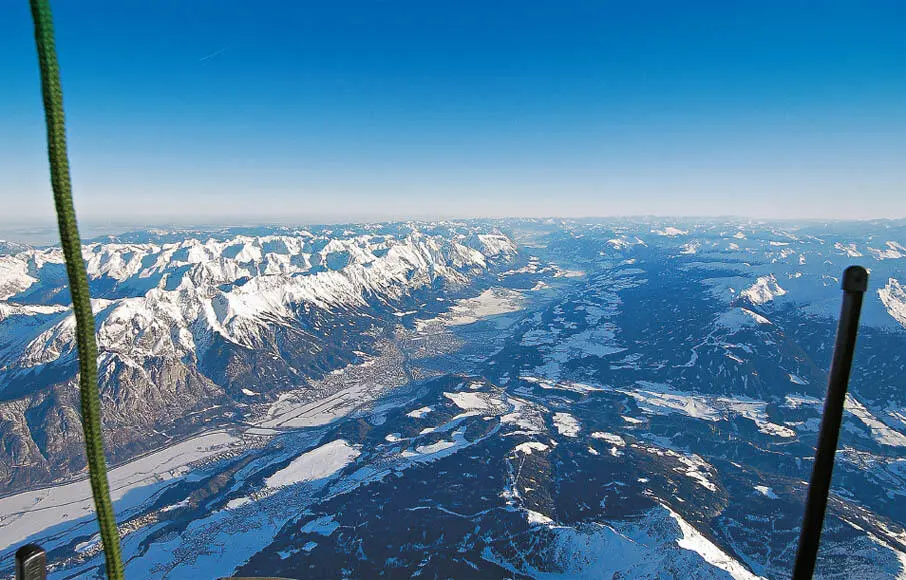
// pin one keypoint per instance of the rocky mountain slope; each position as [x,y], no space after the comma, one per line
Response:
[193,328]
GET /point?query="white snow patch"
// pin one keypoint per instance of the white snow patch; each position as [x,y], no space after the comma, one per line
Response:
[690,248]
[774,429]
[894,251]
[738,318]
[435,447]
[419,413]
[316,464]
[237,502]
[566,424]
[598,341]
[537,518]
[562,385]
[881,432]
[670,231]
[489,303]
[658,398]
[848,250]
[528,416]
[611,438]
[756,411]
[766,491]
[175,506]
[691,465]
[530,446]
[475,402]
[796,400]
[325,525]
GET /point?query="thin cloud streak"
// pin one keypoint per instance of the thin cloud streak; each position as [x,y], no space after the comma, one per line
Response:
[212,55]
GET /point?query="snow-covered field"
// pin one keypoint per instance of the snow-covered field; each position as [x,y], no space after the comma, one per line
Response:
[657,399]
[25,514]
[486,305]
[567,425]
[316,464]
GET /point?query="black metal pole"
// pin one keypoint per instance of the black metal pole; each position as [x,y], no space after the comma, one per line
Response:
[855,283]
[31,563]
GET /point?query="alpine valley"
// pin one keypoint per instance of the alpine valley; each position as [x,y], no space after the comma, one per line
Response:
[478,399]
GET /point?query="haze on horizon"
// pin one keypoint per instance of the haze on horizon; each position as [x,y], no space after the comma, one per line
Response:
[207,112]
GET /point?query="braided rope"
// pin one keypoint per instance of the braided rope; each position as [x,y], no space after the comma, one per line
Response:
[78,283]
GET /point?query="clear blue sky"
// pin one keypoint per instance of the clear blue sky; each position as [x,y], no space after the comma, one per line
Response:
[244,111]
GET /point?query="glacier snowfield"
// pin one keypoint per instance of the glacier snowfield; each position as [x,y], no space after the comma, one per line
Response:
[480,399]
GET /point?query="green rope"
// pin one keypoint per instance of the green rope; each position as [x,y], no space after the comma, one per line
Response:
[78,283]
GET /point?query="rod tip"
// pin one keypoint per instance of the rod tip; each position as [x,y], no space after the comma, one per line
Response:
[31,563]
[855,279]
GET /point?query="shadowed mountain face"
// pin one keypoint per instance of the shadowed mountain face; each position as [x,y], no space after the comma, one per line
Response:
[485,400]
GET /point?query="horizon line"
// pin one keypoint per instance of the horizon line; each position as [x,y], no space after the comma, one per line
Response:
[44,233]
[329,219]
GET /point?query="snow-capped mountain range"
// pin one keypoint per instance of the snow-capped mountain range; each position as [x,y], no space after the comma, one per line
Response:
[489,399]
[186,327]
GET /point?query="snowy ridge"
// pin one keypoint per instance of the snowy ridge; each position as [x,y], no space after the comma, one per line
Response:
[14,276]
[670,231]
[738,318]
[763,290]
[893,296]
[894,251]
[234,288]
[693,540]
[660,545]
